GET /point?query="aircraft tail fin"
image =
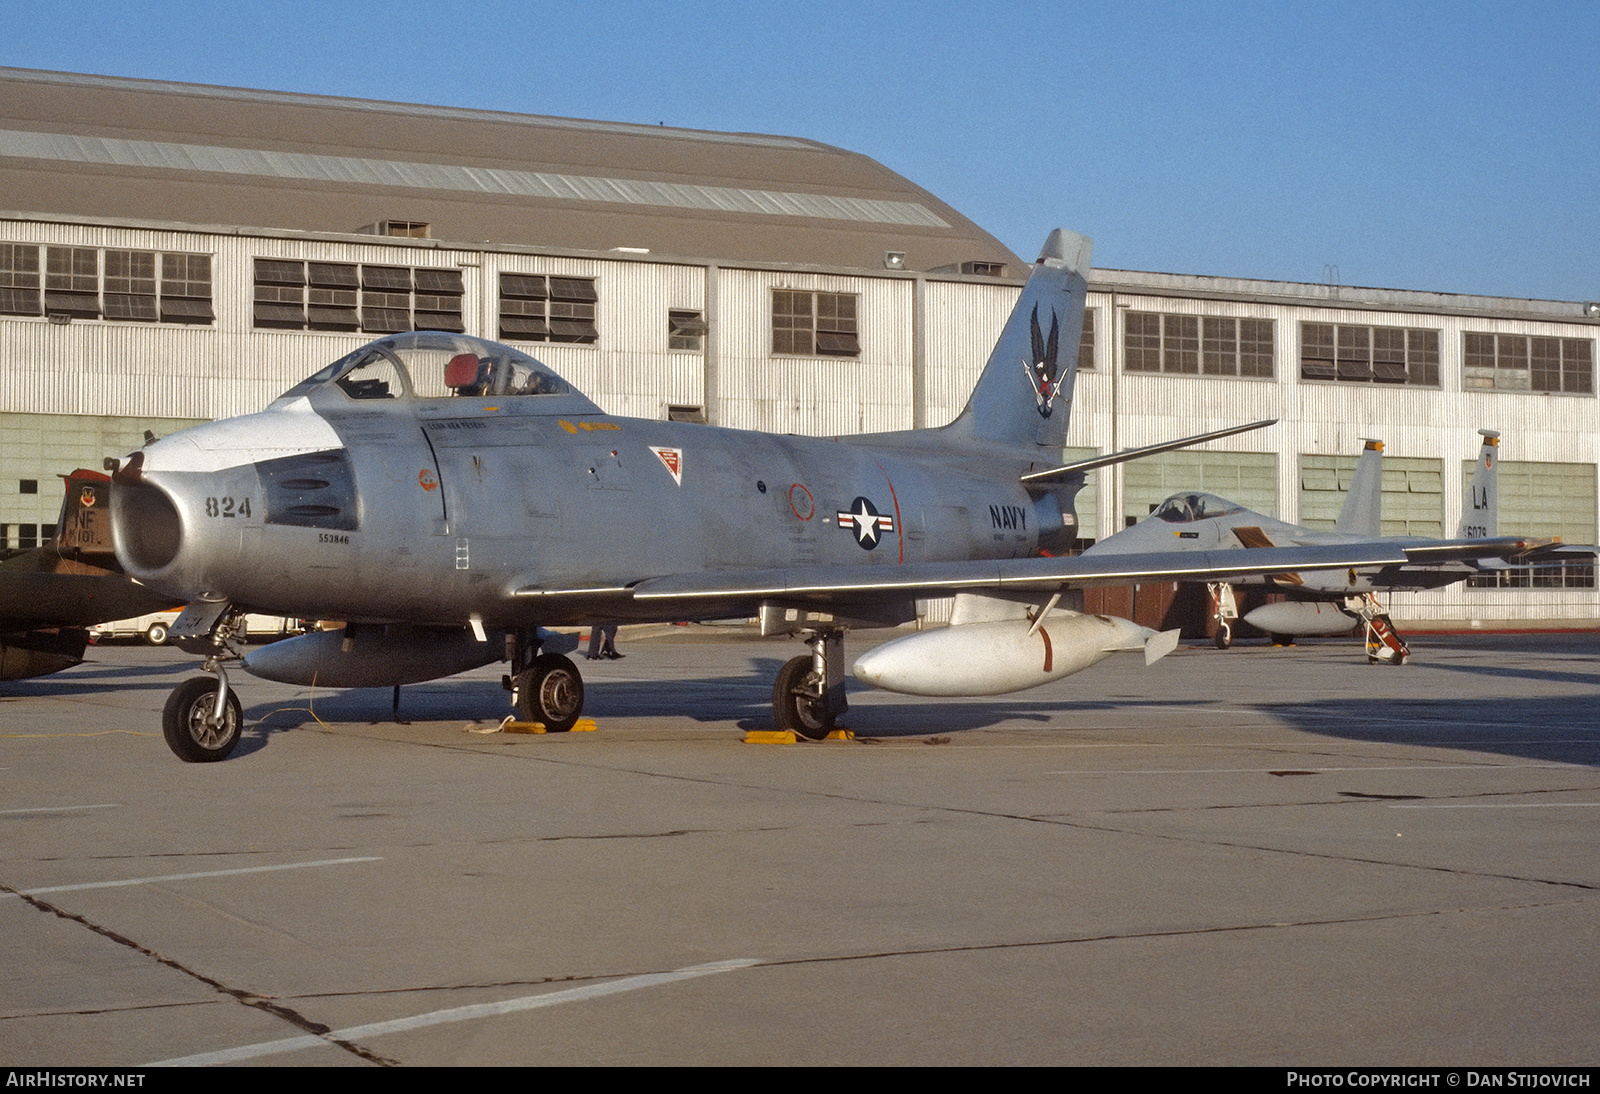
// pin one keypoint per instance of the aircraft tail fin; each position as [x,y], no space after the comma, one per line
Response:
[1362,512]
[1024,396]
[1480,510]
[83,530]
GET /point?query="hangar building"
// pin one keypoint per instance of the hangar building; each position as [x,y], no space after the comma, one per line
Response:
[173,253]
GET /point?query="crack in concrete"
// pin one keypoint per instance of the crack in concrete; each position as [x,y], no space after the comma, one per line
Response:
[1175,932]
[239,995]
[91,1011]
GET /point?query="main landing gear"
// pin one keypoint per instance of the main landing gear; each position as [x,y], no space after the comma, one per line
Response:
[202,721]
[808,694]
[545,687]
[1224,609]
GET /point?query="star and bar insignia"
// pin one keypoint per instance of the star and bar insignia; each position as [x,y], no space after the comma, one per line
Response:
[866,522]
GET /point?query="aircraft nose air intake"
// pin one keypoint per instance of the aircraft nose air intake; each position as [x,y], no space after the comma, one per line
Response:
[145,527]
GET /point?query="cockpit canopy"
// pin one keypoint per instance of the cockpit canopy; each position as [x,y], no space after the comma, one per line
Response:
[1184,508]
[435,365]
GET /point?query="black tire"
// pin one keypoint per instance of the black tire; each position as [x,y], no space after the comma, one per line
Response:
[795,704]
[183,722]
[550,691]
[157,634]
[1224,636]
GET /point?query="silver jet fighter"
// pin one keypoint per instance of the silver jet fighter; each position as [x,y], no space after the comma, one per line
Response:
[1326,602]
[452,499]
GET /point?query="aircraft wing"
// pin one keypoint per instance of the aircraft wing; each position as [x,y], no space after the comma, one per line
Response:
[1467,550]
[836,587]
[32,599]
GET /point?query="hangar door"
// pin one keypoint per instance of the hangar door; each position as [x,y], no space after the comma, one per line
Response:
[1413,504]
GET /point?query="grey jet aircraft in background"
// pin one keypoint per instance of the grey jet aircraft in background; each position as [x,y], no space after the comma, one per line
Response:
[1361,514]
[452,499]
[1327,602]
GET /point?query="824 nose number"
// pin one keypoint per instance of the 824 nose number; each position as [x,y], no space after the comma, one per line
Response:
[227,507]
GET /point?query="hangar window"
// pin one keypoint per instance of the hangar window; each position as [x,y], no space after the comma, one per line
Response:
[1369,355]
[131,285]
[331,294]
[280,294]
[90,283]
[537,308]
[1566,573]
[1210,345]
[412,229]
[72,282]
[1086,341]
[292,295]
[186,289]
[686,330]
[436,300]
[1520,362]
[385,299]
[1543,499]
[814,324]
[16,537]
[19,279]
[572,306]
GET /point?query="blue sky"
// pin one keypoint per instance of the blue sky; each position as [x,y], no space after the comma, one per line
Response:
[1452,147]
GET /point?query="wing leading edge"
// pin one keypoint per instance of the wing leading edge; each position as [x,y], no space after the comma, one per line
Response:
[840,587]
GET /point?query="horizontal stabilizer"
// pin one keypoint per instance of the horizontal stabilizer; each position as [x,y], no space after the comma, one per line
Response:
[31,598]
[1093,462]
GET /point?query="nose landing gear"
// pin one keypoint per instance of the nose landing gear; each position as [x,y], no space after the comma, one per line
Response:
[202,721]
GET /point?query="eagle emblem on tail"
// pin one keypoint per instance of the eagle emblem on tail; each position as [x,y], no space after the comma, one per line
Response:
[1041,370]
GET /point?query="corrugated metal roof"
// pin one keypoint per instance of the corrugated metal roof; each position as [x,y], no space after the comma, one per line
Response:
[118,149]
[1351,297]
[361,171]
[286,98]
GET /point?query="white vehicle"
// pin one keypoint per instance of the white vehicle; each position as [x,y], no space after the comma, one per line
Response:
[153,628]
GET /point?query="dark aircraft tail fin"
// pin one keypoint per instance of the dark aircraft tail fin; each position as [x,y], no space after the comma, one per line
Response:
[1024,396]
[83,530]
[1480,515]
